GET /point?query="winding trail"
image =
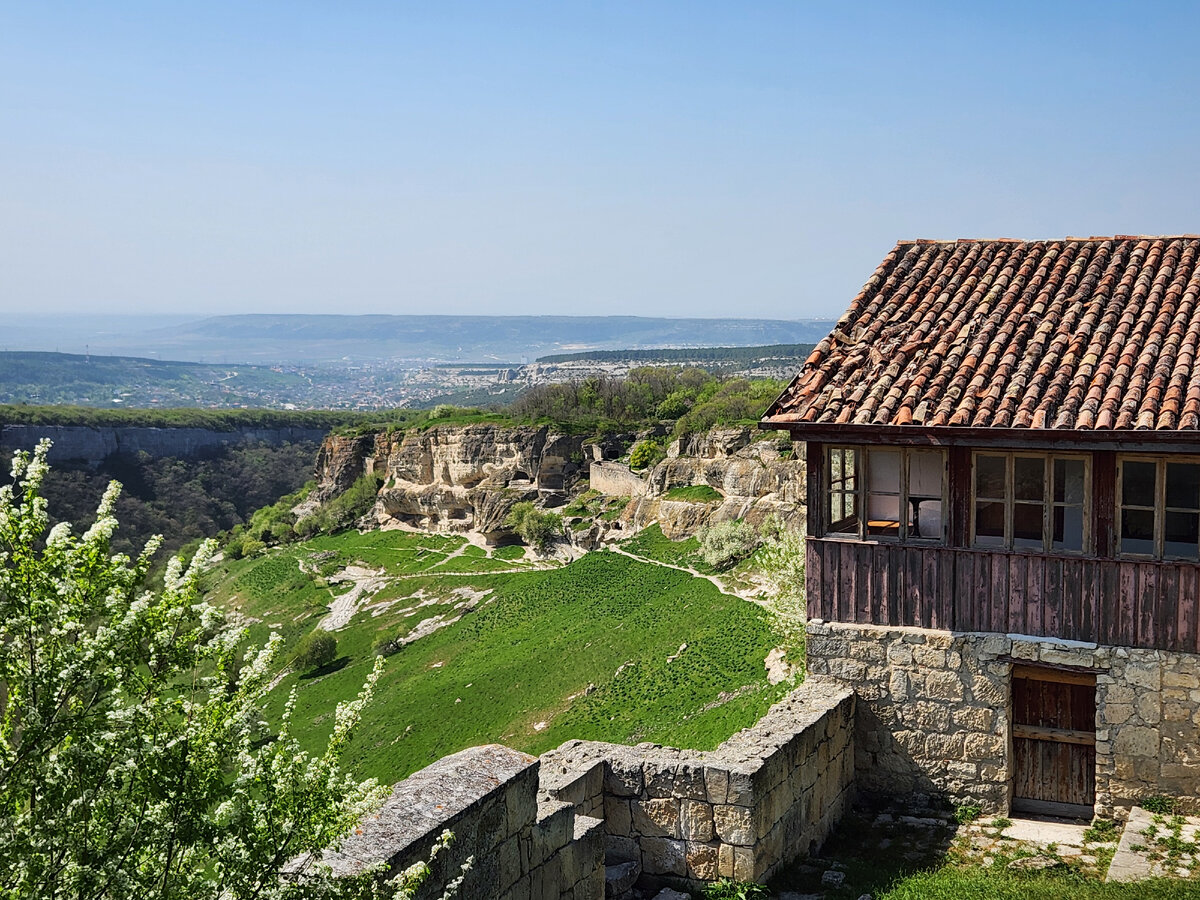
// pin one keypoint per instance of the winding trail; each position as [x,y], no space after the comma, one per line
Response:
[720,586]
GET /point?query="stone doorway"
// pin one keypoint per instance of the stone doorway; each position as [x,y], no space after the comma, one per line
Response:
[1053,741]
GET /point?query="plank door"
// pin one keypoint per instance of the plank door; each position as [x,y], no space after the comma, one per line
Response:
[1054,742]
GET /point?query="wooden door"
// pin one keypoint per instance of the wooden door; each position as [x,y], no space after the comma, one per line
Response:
[1054,742]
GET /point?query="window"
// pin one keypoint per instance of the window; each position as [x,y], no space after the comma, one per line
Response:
[1030,502]
[1160,508]
[900,490]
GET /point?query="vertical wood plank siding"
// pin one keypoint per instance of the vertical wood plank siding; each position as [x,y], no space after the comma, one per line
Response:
[1109,601]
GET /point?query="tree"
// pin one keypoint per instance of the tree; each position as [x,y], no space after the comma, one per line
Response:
[536,528]
[132,753]
[317,648]
[726,543]
[781,564]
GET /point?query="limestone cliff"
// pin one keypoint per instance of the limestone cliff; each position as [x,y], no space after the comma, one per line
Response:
[755,475]
[455,477]
[467,477]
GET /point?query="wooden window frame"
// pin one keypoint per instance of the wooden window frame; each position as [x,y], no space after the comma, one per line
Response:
[862,474]
[1160,507]
[1048,502]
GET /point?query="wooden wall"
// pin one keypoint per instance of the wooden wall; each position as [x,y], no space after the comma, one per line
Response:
[1109,601]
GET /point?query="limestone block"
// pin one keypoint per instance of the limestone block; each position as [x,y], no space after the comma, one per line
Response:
[1149,709]
[1115,713]
[1133,740]
[944,746]
[663,856]
[659,817]
[1024,650]
[983,746]
[927,717]
[508,859]
[1055,655]
[733,825]
[725,861]
[1116,693]
[930,657]
[994,645]
[900,654]
[743,864]
[623,777]
[1183,679]
[741,789]
[974,718]
[944,686]
[1144,674]
[702,861]
[716,784]
[618,818]
[942,640]
[989,691]
[696,821]
[848,669]
[620,847]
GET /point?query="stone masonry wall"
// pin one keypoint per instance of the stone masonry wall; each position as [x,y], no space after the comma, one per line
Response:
[615,480]
[486,796]
[933,713]
[770,793]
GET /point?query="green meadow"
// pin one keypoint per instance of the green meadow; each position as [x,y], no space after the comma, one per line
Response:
[593,649]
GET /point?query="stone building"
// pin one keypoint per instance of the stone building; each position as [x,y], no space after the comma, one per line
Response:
[1003,524]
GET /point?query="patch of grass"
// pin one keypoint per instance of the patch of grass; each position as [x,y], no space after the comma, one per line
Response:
[1160,804]
[510,553]
[695,493]
[1101,831]
[955,883]
[498,672]
[967,812]
[651,543]
[725,889]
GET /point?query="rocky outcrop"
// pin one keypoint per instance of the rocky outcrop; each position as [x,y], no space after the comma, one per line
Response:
[467,478]
[755,475]
[455,477]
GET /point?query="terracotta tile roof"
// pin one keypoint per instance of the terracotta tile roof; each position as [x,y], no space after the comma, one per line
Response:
[1093,333]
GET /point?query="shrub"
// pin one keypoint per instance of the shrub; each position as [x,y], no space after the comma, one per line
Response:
[386,645]
[967,812]
[645,454]
[536,528]
[252,547]
[317,648]
[726,543]
[735,890]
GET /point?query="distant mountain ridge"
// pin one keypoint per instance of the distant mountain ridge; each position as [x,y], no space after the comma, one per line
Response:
[265,337]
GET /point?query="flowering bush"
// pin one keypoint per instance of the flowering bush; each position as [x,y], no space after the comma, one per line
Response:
[131,759]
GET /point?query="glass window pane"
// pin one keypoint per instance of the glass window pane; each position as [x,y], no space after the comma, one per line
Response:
[843,513]
[1029,475]
[925,473]
[835,466]
[1137,531]
[1137,483]
[989,476]
[1067,531]
[927,518]
[1068,481]
[1027,525]
[1181,534]
[1183,485]
[884,471]
[989,524]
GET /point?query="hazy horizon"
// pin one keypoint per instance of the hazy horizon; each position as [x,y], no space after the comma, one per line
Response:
[668,159]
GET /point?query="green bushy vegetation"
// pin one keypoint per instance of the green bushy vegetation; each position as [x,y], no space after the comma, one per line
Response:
[179,417]
[646,454]
[694,493]
[536,527]
[182,499]
[726,543]
[316,649]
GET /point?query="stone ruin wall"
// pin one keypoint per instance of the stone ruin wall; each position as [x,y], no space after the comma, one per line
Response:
[933,712]
[615,480]
[767,795]
[545,829]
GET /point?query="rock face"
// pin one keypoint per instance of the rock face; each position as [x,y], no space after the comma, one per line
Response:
[455,477]
[756,478]
[467,478]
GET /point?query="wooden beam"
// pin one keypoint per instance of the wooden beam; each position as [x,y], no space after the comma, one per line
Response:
[1057,735]
[1059,675]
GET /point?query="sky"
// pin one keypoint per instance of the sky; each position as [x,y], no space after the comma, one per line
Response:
[751,159]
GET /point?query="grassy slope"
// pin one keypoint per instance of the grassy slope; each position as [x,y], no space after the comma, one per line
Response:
[526,657]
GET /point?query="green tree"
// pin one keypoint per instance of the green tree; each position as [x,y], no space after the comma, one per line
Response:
[781,565]
[645,454]
[536,528]
[132,754]
[317,648]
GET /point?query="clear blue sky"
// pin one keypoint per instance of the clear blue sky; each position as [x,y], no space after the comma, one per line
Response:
[688,158]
